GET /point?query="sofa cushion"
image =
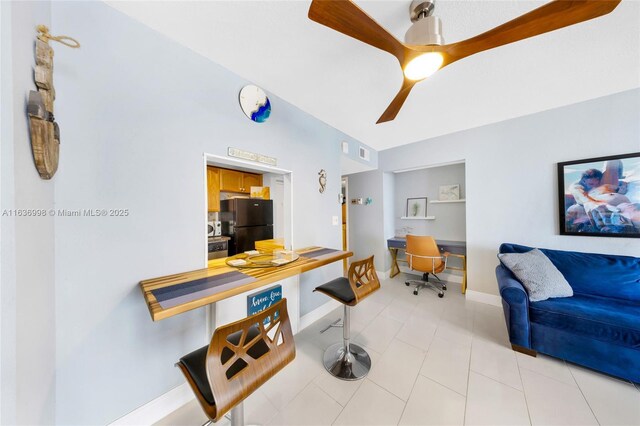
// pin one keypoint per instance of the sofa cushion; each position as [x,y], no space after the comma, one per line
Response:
[537,274]
[609,320]
[594,274]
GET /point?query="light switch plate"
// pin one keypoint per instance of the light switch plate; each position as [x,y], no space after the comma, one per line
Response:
[335,220]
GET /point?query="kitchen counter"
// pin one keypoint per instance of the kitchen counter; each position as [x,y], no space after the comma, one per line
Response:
[173,294]
[218,239]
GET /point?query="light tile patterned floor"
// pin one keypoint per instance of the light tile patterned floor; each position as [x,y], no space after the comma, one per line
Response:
[434,362]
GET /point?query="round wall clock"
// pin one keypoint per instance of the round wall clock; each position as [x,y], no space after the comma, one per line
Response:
[254,103]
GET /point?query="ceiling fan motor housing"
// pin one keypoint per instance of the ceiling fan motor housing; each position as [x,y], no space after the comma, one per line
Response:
[426,28]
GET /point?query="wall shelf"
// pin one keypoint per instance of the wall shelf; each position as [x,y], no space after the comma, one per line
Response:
[446,201]
[418,218]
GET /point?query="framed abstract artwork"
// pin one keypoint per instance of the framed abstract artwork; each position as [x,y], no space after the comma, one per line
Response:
[600,196]
[449,192]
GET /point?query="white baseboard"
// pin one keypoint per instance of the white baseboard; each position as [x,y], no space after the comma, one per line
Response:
[489,299]
[155,410]
[317,313]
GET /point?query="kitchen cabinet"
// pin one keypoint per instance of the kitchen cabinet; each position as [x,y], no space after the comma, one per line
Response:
[249,180]
[213,189]
[236,181]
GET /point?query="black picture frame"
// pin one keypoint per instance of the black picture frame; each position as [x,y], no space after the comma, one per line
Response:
[417,204]
[600,197]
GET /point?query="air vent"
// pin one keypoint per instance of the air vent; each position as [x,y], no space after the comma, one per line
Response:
[345,147]
[364,153]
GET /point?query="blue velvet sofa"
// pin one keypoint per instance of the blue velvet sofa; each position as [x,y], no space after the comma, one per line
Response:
[599,327]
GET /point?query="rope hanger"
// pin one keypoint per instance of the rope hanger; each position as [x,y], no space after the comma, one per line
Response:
[45,36]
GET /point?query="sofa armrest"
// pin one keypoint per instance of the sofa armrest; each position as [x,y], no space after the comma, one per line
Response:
[515,303]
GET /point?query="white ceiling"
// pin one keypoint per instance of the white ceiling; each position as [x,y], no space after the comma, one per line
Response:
[348,84]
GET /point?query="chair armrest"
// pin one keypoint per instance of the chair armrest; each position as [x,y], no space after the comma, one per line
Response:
[515,302]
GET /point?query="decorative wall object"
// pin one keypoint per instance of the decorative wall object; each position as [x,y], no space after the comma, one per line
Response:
[449,192]
[251,156]
[417,207]
[322,179]
[600,196]
[255,103]
[45,133]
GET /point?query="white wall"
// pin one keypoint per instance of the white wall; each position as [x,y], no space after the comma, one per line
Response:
[27,258]
[511,175]
[137,112]
[450,221]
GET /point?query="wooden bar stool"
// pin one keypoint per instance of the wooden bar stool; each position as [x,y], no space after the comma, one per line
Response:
[346,360]
[240,358]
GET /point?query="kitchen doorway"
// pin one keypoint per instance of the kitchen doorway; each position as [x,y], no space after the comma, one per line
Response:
[278,180]
[345,234]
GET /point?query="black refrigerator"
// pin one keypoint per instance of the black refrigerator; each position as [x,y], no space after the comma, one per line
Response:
[245,221]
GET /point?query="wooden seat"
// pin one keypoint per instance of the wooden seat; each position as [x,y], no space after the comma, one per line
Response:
[346,360]
[239,359]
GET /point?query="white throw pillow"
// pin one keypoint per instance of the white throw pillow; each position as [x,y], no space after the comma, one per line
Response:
[537,274]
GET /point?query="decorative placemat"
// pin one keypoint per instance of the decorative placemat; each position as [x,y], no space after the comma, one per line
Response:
[262,260]
[318,253]
[177,294]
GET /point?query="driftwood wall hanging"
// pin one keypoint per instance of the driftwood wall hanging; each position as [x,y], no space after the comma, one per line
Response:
[45,134]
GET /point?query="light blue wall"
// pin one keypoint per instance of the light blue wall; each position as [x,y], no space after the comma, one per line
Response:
[366,224]
[511,182]
[27,254]
[137,112]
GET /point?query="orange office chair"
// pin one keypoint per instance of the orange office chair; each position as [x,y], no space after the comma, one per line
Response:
[424,256]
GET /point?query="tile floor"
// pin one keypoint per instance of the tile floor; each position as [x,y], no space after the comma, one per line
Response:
[434,362]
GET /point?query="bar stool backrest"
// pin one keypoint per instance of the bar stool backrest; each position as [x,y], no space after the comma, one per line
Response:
[245,354]
[363,278]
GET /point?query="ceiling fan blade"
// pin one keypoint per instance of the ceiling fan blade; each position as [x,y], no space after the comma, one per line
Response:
[552,16]
[395,105]
[346,17]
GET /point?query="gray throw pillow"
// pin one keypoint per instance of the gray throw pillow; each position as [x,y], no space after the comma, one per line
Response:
[537,274]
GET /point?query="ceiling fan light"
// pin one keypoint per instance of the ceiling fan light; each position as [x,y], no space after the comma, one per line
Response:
[423,66]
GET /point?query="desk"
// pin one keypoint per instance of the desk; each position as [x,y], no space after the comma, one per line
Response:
[455,249]
[174,294]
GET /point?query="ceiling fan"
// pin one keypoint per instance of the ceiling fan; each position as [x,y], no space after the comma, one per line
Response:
[424,53]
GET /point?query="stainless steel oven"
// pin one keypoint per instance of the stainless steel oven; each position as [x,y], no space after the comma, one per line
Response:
[218,247]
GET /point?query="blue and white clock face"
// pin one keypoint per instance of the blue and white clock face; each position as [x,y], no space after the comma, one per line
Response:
[255,104]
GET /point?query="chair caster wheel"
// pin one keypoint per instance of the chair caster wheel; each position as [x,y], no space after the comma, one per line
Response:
[440,295]
[415,292]
[444,287]
[406,283]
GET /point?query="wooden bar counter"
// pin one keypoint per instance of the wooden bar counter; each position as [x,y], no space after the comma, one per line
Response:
[173,294]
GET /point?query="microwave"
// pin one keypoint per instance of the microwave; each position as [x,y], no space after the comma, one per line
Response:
[214,228]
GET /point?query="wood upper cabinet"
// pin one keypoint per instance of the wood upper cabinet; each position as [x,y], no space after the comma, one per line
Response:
[213,189]
[249,180]
[235,181]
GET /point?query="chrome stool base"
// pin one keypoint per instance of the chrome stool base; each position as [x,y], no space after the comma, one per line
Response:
[351,365]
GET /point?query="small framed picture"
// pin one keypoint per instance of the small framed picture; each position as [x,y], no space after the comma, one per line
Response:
[417,207]
[600,197]
[449,192]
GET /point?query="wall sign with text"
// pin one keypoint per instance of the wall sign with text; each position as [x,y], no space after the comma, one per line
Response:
[258,302]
